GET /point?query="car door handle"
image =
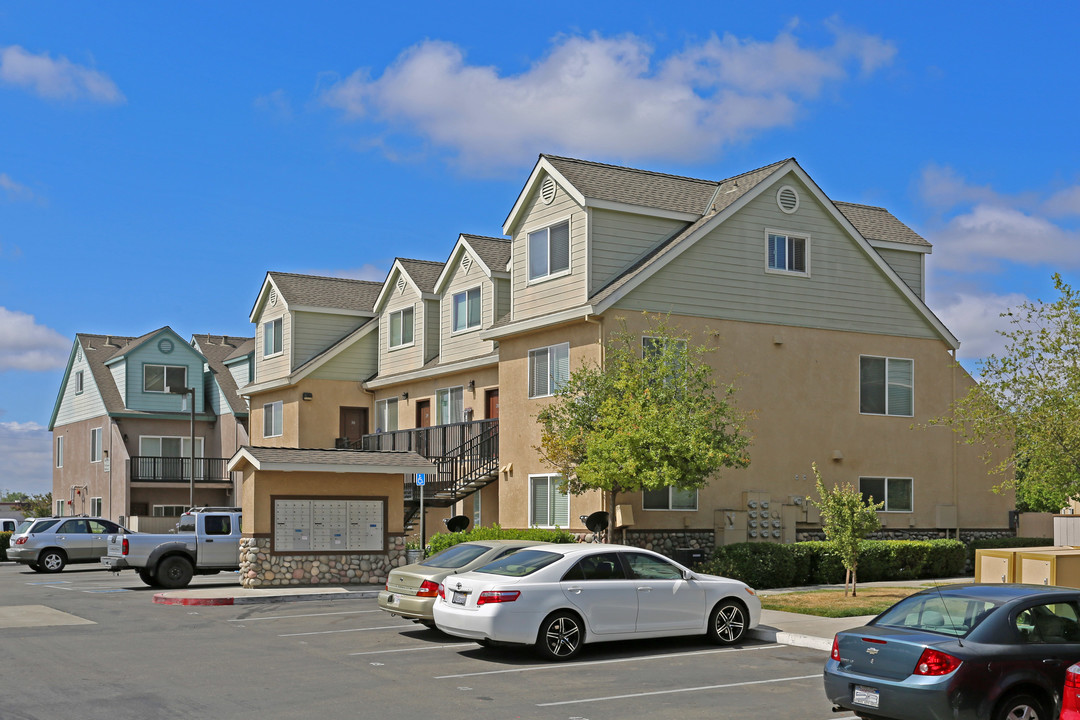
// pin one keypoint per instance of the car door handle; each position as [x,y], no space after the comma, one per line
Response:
[209,539]
[574,589]
[645,589]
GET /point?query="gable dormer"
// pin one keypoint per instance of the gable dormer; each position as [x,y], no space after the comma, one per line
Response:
[408,310]
[474,288]
[148,369]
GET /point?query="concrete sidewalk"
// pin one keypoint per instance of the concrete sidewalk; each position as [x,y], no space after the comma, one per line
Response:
[785,628]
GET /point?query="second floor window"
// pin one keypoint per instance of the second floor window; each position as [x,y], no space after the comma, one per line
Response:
[449,405]
[60,451]
[162,378]
[549,250]
[467,310]
[886,386]
[95,445]
[401,327]
[273,419]
[896,493]
[272,337]
[386,415]
[78,382]
[788,253]
[549,369]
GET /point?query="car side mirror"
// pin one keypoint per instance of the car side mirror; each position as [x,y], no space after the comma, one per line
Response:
[688,575]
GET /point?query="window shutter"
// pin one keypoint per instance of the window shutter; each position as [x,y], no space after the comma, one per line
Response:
[540,502]
[900,387]
[560,247]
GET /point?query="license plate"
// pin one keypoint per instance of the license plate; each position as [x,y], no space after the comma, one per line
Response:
[867,696]
[458,599]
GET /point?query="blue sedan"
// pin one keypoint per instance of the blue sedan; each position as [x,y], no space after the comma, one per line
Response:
[962,652]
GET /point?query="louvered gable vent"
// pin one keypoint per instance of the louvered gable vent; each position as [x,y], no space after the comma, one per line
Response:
[788,199]
[547,190]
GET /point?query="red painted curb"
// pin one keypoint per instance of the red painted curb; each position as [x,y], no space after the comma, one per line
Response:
[162,599]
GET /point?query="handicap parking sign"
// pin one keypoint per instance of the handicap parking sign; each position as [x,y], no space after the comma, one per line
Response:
[420,479]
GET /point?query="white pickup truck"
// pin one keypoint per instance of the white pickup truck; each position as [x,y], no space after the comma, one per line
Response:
[207,541]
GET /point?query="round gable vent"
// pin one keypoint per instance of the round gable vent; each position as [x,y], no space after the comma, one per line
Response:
[787,198]
[547,190]
[165,346]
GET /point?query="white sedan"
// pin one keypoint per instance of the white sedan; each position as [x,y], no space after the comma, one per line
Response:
[559,597]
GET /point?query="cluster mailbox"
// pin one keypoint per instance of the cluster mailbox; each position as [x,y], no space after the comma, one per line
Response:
[329,525]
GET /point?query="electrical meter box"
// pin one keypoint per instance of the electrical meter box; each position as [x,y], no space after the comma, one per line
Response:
[999,565]
[1050,567]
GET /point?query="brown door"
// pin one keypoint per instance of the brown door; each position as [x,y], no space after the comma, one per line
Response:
[423,413]
[354,423]
[491,400]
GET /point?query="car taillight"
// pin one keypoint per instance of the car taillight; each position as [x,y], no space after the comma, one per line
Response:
[21,541]
[442,591]
[835,654]
[935,662]
[1072,676]
[497,596]
[125,546]
[428,589]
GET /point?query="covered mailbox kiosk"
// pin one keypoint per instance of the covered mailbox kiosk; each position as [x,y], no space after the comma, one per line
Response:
[1050,567]
[1000,565]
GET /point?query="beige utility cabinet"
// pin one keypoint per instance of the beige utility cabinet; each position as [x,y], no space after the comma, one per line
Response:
[1001,565]
[1050,567]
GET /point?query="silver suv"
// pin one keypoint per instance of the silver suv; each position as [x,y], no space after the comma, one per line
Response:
[49,544]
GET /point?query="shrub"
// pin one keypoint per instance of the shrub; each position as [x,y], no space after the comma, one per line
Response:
[5,540]
[440,541]
[763,565]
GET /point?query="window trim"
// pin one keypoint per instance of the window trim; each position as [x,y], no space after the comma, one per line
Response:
[59,451]
[80,382]
[200,445]
[453,311]
[277,336]
[100,441]
[551,389]
[549,477]
[164,377]
[669,508]
[281,414]
[887,358]
[181,508]
[379,415]
[449,406]
[401,329]
[530,280]
[96,506]
[58,508]
[788,235]
[887,479]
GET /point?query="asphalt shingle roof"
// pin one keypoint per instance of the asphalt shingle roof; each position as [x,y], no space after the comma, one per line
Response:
[877,223]
[635,187]
[424,273]
[217,349]
[327,292]
[317,456]
[99,349]
[494,251]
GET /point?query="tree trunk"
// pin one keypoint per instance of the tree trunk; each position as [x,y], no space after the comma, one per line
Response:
[847,579]
[854,569]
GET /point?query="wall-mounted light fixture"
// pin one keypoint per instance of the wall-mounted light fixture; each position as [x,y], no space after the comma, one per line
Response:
[472,386]
[307,396]
[405,395]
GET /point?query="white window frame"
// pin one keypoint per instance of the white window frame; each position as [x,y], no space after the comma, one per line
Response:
[670,508]
[184,439]
[276,413]
[553,383]
[95,506]
[273,337]
[477,510]
[788,238]
[888,480]
[58,508]
[382,415]
[164,377]
[179,510]
[552,481]
[95,445]
[59,451]
[80,382]
[447,396]
[535,236]
[400,320]
[885,388]
[467,297]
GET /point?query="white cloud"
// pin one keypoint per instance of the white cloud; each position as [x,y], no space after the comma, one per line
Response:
[603,96]
[26,345]
[27,452]
[1064,202]
[14,190]
[976,318]
[56,79]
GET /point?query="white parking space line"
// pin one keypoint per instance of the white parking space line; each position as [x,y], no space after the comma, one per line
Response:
[574,666]
[51,582]
[679,690]
[416,649]
[286,617]
[332,632]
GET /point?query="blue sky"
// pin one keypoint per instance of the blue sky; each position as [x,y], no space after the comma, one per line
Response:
[157,159]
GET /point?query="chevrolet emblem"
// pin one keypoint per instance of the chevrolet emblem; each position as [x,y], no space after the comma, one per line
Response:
[871,651]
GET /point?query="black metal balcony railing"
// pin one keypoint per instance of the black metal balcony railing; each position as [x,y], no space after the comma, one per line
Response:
[174,469]
[430,442]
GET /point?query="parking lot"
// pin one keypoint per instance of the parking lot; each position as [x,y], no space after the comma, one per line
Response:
[85,644]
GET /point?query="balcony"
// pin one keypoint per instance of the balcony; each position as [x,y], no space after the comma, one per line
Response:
[173,469]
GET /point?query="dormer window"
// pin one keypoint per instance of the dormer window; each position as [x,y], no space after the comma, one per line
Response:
[467,310]
[160,378]
[549,251]
[401,327]
[272,338]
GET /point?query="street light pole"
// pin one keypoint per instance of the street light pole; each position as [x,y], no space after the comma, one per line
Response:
[191,449]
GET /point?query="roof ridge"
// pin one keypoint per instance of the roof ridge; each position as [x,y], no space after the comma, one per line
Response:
[630,169]
[488,237]
[323,277]
[751,172]
[416,260]
[862,205]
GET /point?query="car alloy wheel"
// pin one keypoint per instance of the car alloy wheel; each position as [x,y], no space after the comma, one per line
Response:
[727,623]
[52,561]
[1022,707]
[560,637]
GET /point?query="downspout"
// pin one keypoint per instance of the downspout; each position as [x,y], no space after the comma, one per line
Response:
[955,471]
[608,498]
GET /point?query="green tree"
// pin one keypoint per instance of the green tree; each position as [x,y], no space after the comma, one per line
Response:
[1025,409]
[36,505]
[12,496]
[846,519]
[649,417]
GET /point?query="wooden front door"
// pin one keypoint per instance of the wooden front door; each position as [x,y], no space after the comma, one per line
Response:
[354,423]
[423,413]
[491,401]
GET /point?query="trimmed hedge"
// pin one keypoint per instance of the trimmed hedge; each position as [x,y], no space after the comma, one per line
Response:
[1004,543]
[440,541]
[768,565]
[5,540]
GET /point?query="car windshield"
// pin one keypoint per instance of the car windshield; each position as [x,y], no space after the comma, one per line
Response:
[521,563]
[456,556]
[947,615]
[43,525]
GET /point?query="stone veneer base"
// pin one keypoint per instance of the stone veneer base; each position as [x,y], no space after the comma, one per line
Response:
[259,568]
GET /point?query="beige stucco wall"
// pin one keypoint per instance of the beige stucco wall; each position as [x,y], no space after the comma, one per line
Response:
[802,386]
[486,378]
[314,423]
